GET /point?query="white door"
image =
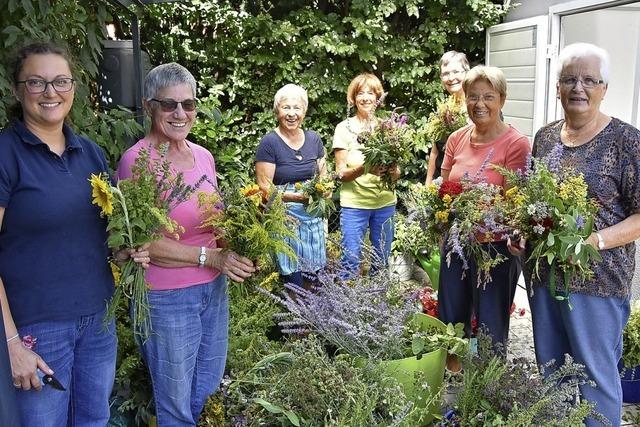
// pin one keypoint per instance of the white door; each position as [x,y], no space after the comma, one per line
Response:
[519,49]
[615,28]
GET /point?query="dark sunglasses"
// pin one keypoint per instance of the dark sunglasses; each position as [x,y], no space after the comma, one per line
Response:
[170,105]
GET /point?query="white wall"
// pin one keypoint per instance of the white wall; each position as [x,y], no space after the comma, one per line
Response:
[530,8]
[617,30]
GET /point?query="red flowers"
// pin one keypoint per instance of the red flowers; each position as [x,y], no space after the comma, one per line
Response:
[29,341]
[451,188]
[429,304]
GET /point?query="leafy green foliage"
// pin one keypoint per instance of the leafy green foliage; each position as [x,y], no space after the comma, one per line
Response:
[408,237]
[500,392]
[303,386]
[79,26]
[631,339]
[241,53]
[132,380]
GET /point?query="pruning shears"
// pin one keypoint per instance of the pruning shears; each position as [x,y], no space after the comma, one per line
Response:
[50,380]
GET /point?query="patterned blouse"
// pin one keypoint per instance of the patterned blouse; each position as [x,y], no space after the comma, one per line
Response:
[610,163]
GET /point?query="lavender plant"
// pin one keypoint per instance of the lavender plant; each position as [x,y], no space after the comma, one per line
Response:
[364,316]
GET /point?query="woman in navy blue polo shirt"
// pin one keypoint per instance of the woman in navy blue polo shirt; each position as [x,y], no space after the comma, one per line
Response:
[286,156]
[54,274]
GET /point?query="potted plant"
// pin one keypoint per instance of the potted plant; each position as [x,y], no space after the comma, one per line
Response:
[407,247]
[401,260]
[373,318]
[630,363]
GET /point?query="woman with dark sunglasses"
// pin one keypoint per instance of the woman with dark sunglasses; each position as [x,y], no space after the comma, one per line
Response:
[187,350]
[54,270]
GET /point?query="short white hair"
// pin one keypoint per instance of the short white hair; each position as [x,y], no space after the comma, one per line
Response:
[582,50]
[290,91]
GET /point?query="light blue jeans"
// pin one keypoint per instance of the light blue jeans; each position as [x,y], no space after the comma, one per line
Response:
[82,355]
[591,333]
[187,351]
[354,224]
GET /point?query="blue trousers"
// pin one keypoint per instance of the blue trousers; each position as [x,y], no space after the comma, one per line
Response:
[459,298]
[354,224]
[592,334]
[82,355]
[187,351]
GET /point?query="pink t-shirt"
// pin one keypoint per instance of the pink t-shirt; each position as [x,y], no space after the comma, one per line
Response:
[187,214]
[461,155]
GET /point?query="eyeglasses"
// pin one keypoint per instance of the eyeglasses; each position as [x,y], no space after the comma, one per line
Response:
[34,86]
[170,105]
[488,98]
[587,82]
[451,73]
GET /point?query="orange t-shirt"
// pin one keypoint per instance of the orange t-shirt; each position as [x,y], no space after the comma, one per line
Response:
[461,155]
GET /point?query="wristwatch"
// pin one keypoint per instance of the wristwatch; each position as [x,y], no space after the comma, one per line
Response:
[600,241]
[203,256]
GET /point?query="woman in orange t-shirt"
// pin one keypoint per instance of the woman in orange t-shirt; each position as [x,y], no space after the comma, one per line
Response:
[468,150]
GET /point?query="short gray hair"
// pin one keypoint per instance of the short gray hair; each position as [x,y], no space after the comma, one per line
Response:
[167,75]
[453,56]
[583,50]
[493,75]
[290,91]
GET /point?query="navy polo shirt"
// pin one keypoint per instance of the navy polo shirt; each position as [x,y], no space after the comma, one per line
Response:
[53,252]
[291,165]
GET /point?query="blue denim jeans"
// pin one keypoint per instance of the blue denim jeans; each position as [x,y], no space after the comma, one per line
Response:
[591,332]
[187,350]
[82,354]
[354,224]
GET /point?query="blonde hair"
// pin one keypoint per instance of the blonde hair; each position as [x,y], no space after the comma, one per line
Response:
[493,75]
[361,81]
[290,91]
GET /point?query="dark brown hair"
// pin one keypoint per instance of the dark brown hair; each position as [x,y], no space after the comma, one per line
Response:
[36,48]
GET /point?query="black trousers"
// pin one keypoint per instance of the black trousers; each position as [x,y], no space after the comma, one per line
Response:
[460,298]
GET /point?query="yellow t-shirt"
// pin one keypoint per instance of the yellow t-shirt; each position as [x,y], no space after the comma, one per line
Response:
[365,192]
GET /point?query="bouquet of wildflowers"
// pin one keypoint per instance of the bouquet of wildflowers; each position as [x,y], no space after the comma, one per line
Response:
[448,117]
[465,214]
[137,210]
[319,189]
[250,221]
[389,144]
[550,206]
[430,207]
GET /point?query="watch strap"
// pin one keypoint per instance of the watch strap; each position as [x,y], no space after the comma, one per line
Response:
[202,258]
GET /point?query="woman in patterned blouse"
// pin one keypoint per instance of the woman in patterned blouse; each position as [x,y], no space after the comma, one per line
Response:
[607,151]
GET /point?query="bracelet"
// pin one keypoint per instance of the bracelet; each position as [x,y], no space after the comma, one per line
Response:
[13,338]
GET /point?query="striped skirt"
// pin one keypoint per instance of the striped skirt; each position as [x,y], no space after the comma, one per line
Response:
[309,244]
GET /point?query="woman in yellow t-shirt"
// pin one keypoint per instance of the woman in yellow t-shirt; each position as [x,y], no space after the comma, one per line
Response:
[365,204]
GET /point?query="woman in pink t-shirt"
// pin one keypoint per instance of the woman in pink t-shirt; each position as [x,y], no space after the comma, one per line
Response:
[187,350]
[491,140]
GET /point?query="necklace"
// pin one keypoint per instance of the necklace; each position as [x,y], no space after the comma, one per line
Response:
[365,125]
[580,136]
[290,141]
